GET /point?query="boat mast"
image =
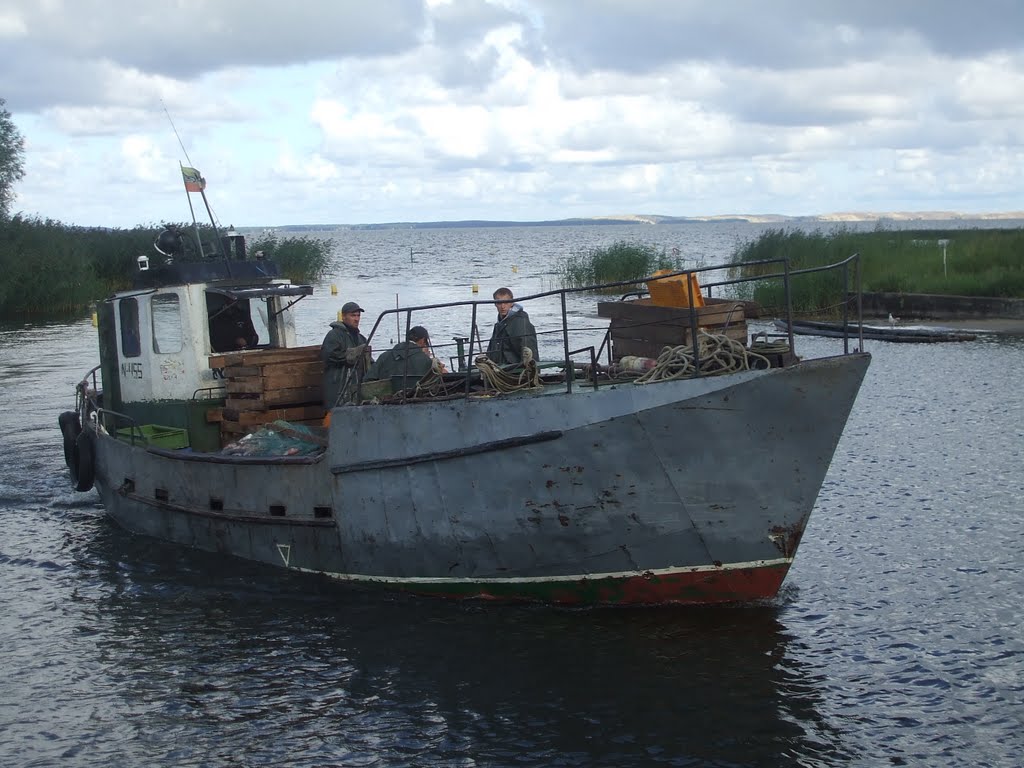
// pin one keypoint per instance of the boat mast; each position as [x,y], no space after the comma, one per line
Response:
[192,210]
[194,182]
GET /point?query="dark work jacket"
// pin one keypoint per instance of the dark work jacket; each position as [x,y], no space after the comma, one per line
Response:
[230,326]
[511,335]
[405,359]
[340,376]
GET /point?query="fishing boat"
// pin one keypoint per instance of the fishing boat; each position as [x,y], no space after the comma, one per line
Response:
[893,332]
[639,469]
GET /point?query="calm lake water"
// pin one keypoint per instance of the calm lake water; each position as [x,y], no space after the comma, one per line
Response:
[896,639]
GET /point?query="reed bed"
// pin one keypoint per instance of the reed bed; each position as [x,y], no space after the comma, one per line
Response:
[51,270]
[961,262]
[620,261]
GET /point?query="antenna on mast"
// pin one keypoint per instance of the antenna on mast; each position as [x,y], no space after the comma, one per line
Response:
[180,144]
[194,182]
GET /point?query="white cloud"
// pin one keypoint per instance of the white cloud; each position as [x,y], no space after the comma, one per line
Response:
[12,24]
[144,159]
[517,109]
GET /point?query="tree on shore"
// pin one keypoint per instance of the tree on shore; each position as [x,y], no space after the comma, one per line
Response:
[12,158]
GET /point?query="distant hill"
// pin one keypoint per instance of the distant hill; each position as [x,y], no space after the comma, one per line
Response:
[654,219]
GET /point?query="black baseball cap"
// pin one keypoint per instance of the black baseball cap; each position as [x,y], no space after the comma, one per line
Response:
[351,306]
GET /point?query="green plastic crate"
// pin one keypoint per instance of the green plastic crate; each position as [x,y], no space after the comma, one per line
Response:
[155,434]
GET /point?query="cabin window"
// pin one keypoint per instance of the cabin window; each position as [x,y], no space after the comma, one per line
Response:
[166,323]
[258,315]
[129,316]
[231,324]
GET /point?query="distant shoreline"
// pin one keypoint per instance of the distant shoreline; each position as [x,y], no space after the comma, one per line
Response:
[901,217]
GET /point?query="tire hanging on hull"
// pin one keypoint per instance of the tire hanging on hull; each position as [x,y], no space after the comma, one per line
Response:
[84,472]
[79,454]
[70,429]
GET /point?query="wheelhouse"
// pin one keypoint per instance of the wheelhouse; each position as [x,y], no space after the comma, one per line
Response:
[157,338]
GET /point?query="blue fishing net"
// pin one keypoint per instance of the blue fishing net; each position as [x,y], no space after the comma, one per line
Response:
[279,438]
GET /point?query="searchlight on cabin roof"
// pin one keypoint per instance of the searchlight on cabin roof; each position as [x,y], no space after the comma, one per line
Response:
[169,243]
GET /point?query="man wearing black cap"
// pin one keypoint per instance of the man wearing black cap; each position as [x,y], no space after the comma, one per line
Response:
[345,355]
[408,358]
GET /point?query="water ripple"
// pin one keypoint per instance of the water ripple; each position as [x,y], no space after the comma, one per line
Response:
[895,640]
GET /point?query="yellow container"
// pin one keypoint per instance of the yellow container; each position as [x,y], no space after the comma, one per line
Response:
[673,291]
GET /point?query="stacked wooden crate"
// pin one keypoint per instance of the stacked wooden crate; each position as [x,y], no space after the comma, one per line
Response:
[643,328]
[265,385]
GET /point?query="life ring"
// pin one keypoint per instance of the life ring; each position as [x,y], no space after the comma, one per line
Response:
[70,429]
[83,473]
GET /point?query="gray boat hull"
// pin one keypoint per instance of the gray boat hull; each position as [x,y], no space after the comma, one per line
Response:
[689,491]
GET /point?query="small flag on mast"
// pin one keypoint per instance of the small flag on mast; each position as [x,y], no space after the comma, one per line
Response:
[194,181]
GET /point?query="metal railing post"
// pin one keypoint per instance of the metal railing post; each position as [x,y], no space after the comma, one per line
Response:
[789,304]
[846,309]
[570,372]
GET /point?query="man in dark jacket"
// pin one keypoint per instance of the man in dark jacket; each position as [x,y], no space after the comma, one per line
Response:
[512,333]
[408,358]
[345,355]
[231,327]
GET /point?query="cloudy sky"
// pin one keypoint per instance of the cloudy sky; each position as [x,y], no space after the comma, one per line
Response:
[346,111]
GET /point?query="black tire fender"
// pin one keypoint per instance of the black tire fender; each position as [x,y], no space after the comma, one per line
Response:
[83,473]
[70,429]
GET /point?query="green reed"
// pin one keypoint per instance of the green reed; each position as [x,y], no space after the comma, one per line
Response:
[961,262]
[51,269]
[620,261]
[300,259]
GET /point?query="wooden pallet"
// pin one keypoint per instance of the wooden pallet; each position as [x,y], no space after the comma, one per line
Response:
[265,385]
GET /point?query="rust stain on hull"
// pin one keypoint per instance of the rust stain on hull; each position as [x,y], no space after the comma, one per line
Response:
[786,538]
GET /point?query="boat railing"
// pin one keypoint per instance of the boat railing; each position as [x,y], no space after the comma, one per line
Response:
[129,429]
[853,262]
[850,264]
[87,393]
[89,406]
[208,393]
[743,272]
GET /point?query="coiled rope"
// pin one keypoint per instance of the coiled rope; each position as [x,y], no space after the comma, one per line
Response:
[759,343]
[431,384]
[718,355]
[509,381]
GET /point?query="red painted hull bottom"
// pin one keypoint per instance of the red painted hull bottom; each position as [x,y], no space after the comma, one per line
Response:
[698,586]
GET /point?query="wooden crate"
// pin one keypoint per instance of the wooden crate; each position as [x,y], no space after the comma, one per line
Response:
[265,385]
[642,328]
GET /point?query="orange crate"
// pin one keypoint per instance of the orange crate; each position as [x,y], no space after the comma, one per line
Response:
[673,291]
